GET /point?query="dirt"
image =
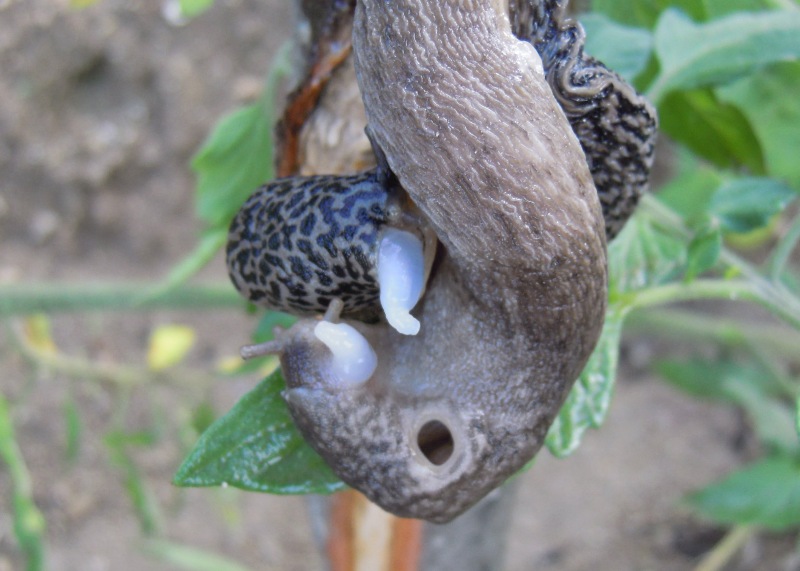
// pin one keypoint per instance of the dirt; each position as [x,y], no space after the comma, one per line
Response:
[100,112]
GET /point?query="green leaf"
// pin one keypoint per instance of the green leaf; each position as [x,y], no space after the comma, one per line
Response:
[747,385]
[696,55]
[587,403]
[715,130]
[719,8]
[747,204]
[144,501]
[234,161]
[621,48]
[769,100]
[268,322]
[642,256]
[766,493]
[191,8]
[257,447]
[772,419]
[797,416]
[237,157]
[29,523]
[704,251]
[705,379]
[644,13]
[689,192]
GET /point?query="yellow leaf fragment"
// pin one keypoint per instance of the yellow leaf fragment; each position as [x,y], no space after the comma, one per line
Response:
[169,345]
[38,335]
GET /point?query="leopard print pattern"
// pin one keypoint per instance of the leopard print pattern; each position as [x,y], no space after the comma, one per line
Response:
[299,242]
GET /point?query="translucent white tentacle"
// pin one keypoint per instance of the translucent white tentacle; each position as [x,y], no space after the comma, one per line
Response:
[401,277]
[354,360]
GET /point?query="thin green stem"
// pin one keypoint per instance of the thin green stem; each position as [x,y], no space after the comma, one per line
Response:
[205,250]
[690,326]
[24,299]
[29,524]
[754,287]
[718,558]
[783,250]
[116,374]
[735,290]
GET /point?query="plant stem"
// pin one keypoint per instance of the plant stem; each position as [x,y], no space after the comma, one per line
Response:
[718,558]
[755,287]
[29,524]
[120,375]
[24,299]
[783,250]
[685,325]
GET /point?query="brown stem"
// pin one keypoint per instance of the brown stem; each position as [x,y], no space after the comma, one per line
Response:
[328,51]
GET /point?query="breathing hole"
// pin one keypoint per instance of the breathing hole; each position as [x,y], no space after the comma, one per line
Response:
[435,442]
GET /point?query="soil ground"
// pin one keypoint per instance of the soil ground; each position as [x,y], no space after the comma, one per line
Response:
[100,111]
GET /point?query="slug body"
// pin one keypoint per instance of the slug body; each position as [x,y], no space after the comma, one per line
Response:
[477,155]
[616,126]
[300,242]
[516,300]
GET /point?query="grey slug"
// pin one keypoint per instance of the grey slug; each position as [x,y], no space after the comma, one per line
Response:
[490,159]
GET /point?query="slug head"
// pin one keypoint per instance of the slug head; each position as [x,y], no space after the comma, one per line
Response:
[419,453]
[446,415]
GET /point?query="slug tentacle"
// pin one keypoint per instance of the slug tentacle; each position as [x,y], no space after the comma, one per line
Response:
[401,275]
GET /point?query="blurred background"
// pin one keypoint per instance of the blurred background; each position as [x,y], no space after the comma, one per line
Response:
[101,110]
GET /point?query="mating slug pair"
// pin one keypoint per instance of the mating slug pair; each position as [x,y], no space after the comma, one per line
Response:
[506,160]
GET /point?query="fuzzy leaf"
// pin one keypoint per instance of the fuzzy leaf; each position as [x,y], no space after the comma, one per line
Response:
[766,493]
[768,99]
[191,8]
[587,403]
[257,447]
[719,8]
[644,13]
[268,322]
[704,251]
[696,55]
[715,130]
[237,157]
[690,190]
[642,256]
[749,386]
[621,48]
[234,161]
[747,204]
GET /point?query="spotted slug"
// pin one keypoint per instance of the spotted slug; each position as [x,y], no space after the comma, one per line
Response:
[484,232]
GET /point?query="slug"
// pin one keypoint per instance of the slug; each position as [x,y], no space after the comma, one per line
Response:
[616,126]
[482,218]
